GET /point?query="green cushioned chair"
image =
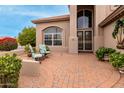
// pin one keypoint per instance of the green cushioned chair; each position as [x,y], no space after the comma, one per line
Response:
[43,49]
[35,56]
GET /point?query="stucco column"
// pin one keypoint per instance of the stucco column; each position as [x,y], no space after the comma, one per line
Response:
[38,36]
[73,40]
[98,39]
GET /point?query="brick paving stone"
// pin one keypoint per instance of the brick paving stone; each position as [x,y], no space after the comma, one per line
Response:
[120,84]
[64,70]
[71,81]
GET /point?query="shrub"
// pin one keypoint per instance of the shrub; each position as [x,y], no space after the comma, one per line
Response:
[110,51]
[100,53]
[27,50]
[27,36]
[117,60]
[10,67]
[47,48]
[8,43]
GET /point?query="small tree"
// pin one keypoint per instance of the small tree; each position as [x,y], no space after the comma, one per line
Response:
[27,36]
[118,33]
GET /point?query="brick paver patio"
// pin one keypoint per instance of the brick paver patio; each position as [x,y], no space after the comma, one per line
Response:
[63,70]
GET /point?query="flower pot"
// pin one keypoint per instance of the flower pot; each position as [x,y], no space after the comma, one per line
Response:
[120,46]
[121,70]
[29,54]
[106,57]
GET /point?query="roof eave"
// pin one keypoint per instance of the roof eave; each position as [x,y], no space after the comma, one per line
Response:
[48,21]
[119,12]
[65,18]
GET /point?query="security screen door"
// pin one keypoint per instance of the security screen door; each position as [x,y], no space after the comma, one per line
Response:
[85,40]
[84,30]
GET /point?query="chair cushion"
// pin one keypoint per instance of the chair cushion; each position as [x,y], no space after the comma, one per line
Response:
[47,52]
[37,55]
[42,51]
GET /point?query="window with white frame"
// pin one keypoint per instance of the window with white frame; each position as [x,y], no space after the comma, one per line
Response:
[53,36]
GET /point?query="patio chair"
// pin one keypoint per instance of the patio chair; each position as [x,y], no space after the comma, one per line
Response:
[35,56]
[43,49]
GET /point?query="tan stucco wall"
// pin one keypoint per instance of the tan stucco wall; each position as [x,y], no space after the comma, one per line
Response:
[99,15]
[65,33]
[110,9]
[73,40]
[108,39]
[70,40]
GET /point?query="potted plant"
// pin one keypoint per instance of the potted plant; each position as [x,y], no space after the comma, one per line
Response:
[47,48]
[108,51]
[100,53]
[10,67]
[118,33]
[27,50]
[103,53]
[117,61]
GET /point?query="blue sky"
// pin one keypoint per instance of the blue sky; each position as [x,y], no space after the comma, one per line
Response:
[14,18]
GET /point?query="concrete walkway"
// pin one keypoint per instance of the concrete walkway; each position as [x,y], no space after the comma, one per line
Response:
[63,70]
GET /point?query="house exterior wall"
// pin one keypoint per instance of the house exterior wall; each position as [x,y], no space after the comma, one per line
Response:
[102,36]
[109,41]
[64,25]
[110,9]
[73,40]
[100,13]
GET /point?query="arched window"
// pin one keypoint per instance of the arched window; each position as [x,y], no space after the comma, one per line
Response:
[84,19]
[53,36]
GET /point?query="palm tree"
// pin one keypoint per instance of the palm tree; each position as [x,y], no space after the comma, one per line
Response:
[118,32]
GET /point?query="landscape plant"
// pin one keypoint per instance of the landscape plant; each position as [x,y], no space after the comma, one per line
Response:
[27,50]
[101,52]
[117,60]
[27,36]
[118,33]
[10,67]
[8,43]
[47,48]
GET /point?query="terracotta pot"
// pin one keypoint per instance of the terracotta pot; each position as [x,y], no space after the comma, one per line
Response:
[120,46]
[121,70]
[29,54]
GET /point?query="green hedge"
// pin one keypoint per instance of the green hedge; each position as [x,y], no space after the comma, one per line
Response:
[10,67]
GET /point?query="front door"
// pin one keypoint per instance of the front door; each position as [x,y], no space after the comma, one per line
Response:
[85,30]
[85,41]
